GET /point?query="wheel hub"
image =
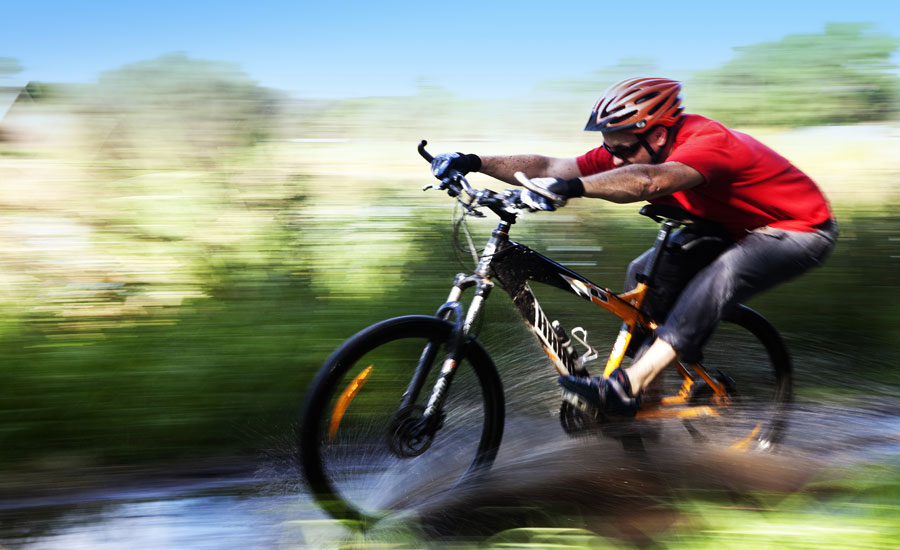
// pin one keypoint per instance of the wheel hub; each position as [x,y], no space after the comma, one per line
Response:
[407,435]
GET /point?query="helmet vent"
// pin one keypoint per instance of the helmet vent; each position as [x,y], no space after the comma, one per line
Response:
[647,97]
[619,119]
[655,108]
[635,104]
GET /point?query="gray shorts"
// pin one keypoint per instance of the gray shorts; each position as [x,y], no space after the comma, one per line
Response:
[694,289]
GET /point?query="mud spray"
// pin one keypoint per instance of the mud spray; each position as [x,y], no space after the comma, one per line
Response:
[545,478]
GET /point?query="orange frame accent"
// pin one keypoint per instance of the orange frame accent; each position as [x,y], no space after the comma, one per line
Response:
[627,306]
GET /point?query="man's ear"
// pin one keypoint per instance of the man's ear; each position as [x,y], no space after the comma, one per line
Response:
[659,136]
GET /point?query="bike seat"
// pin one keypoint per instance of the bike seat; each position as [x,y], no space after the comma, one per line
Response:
[659,212]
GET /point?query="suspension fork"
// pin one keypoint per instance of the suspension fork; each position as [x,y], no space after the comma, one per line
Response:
[451,310]
[462,325]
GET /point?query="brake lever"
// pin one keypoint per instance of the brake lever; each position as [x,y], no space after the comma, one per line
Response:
[447,184]
[513,197]
[471,205]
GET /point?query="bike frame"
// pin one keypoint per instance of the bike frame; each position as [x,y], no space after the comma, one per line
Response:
[514,265]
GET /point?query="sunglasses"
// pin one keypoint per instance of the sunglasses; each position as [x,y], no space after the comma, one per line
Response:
[624,152]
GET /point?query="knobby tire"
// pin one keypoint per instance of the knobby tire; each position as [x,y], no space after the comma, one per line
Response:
[348,470]
[749,350]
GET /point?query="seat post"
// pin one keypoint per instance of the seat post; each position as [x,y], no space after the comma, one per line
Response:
[662,239]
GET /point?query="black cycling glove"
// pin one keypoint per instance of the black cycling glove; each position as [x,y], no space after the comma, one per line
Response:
[445,163]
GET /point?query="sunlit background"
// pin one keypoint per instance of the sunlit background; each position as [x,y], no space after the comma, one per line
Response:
[198,203]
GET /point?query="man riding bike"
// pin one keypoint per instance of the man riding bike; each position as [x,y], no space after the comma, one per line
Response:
[774,221]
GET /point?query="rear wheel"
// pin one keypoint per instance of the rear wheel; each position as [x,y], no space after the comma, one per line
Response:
[363,453]
[748,358]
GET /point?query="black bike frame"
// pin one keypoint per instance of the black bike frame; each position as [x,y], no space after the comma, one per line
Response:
[514,265]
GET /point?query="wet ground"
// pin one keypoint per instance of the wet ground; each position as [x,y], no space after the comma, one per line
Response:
[540,476]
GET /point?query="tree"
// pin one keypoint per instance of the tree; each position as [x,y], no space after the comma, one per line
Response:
[192,107]
[841,76]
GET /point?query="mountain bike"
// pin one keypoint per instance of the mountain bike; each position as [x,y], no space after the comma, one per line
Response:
[414,404]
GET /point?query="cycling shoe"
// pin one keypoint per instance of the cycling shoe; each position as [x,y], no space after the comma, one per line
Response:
[609,396]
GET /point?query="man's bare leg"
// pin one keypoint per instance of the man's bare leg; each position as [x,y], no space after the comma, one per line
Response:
[657,357]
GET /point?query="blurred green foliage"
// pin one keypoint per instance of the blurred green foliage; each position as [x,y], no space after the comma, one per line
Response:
[174,270]
[191,109]
[841,76]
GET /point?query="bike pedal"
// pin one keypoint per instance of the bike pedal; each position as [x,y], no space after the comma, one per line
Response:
[579,403]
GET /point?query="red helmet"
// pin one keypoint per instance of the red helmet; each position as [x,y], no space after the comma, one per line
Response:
[637,104]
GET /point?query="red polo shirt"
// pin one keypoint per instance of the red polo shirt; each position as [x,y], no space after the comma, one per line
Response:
[747,184]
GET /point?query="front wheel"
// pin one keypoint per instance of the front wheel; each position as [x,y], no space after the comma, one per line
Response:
[362,452]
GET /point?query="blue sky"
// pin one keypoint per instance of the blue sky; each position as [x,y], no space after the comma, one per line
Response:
[359,48]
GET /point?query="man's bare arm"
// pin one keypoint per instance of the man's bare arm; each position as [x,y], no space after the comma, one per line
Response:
[534,166]
[640,182]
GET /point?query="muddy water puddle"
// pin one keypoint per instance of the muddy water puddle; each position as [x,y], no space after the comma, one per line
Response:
[538,468]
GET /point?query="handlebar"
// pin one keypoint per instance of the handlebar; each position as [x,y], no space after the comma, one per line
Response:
[507,205]
[425,154]
[454,182]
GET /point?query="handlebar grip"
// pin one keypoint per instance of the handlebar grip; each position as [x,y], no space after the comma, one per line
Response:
[425,154]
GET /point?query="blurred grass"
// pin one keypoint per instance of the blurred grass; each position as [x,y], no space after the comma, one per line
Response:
[844,509]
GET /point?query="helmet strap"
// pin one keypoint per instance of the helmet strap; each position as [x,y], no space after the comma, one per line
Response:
[656,156]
